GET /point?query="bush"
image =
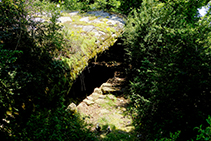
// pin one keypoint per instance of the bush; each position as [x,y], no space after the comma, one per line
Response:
[31,79]
[128,5]
[205,134]
[170,59]
[106,5]
[56,124]
[118,6]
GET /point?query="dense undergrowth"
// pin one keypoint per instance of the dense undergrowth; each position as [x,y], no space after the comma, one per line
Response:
[168,49]
[117,6]
[32,82]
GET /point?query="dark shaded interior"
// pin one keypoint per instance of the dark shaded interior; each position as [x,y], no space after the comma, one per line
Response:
[97,72]
[93,76]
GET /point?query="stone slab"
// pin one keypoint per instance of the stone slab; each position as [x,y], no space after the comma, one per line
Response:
[107,90]
[98,90]
[102,97]
[64,19]
[88,102]
[90,98]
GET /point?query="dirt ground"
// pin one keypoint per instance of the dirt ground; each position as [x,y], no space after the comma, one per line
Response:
[109,109]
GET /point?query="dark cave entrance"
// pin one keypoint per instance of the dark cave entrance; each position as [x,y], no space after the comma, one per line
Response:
[97,72]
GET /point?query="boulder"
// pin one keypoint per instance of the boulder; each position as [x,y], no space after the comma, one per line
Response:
[89,98]
[73,13]
[81,106]
[106,85]
[71,108]
[95,96]
[102,97]
[64,19]
[84,19]
[107,88]
[98,90]
[88,28]
[88,102]
[38,20]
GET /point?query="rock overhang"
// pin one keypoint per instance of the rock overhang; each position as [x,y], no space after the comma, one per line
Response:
[89,34]
[86,35]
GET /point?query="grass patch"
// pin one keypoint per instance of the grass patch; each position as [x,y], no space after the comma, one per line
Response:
[108,104]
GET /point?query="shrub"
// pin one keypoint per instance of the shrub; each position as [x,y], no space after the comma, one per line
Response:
[31,79]
[205,134]
[55,124]
[170,59]
[128,5]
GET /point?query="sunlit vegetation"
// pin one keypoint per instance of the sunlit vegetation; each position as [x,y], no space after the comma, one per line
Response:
[32,83]
[83,43]
[168,49]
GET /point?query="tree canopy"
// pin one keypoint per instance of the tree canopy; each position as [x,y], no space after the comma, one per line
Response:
[168,47]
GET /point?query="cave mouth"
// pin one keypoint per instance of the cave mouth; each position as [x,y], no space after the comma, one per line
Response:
[108,65]
[93,76]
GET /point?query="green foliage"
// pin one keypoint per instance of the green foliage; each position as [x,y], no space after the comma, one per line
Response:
[118,135]
[128,5]
[37,6]
[169,52]
[181,7]
[205,134]
[107,5]
[32,76]
[73,5]
[61,5]
[8,56]
[172,137]
[55,124]
[118,6]
[31,80]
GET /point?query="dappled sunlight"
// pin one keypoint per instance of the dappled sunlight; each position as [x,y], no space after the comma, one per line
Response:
[105,70]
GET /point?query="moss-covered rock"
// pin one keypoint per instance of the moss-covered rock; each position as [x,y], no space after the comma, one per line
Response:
[86,35]
[89,34]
